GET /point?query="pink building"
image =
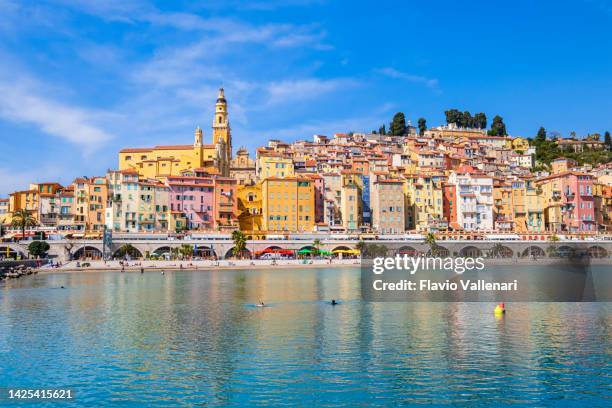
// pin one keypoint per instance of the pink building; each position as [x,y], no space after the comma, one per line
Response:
[569,201]
[579,214]
[193,196]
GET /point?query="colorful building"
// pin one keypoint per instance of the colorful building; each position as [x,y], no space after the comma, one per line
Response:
[387,202]
[166,161]
[474,198]
[90,198]
[136,205]
[288,204]
[250,211]
[424,202]
[273,164]
[568,202]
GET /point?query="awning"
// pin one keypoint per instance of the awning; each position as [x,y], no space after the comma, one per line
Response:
[347,251]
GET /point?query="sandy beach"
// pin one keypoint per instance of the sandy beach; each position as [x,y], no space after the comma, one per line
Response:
[147,265]
[157,265]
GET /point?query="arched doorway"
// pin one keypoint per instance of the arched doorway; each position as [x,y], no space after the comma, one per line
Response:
[565,251]
[407,250]
[470,252]
[438,251]
[598,252]
[244,254]
[127,252]
[87,252]
[205,252]
[162,252]
[533,252]
[308,251]
[501,251]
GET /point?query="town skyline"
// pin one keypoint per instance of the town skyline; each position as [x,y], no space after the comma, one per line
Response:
[85,80]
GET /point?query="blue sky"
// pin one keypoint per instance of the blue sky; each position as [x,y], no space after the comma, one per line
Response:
[81,79]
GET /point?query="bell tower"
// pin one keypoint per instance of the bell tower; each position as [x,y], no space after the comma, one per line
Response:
[221,133]
[197,142]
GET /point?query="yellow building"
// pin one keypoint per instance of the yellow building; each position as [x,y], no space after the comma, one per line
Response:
[28,200]
[90,197]
[528,206]
[164,161]
[250,208]
[288,204]
[4,211]
[424,202]
[503,210]
[273,164]
[351,200]
[518,144]
[242,168]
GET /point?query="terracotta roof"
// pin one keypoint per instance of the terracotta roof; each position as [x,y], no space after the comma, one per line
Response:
[135,150]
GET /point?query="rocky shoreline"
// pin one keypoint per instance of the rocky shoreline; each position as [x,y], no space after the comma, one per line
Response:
[17,271]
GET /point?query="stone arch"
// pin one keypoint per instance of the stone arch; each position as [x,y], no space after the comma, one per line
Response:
[13,251]
[470,251]
[565,251]
[87,252]
[597,251]
[501,251]
[341,248]
[272,248]
[245,253]
[133,252]
[205,251]
[407,250]
[439,251]
[162,251]
[533,251]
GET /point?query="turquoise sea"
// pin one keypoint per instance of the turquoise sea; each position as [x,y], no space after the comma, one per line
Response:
[196,338]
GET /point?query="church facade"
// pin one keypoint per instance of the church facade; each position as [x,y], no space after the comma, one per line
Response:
[171,160]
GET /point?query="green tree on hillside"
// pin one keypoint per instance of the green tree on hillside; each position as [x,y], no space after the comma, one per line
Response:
[607,140]
[382,130]
[480,120]
[422,126]
[398,124]
[541,136]
[498,127]
[453,116]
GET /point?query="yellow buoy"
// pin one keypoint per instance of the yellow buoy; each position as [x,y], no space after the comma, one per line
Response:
[500,309]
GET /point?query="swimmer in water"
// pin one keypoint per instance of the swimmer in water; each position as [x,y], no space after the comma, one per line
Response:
[333,302]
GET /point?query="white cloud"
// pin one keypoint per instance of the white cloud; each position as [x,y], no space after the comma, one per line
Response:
[23,102]
[417,79]
[287,91]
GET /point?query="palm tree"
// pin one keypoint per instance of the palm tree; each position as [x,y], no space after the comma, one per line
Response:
[22,219]
[361,246]
[186,251]
[239,242]
[316,243]
[430,240]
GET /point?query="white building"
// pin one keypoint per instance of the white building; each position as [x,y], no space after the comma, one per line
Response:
[474,195]
[136,205]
